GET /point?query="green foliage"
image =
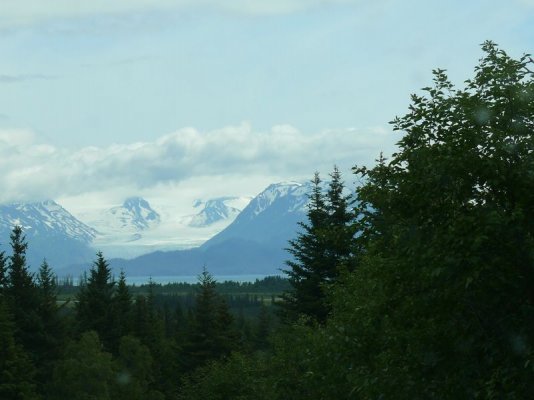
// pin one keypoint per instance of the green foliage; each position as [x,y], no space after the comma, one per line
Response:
[433,299]
[263,329]
[122,313]
[23,297]
[211,333]
[135,371]
[94,311]
[440,305]
[239,377]
[16,369]
[52,331]
[3,272]
[320,252]
[450,237]
[86,372]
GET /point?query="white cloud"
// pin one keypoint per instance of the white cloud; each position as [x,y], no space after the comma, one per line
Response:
[32,171]
[27,12]
[10,138]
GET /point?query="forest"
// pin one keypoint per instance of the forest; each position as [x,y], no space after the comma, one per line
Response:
[419,286]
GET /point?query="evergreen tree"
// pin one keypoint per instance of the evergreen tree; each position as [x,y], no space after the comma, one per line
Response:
[122,310]
[180,324]
[23,297]
[52,333]
[148,326]
[341,227]
[211,333]
[263,328]
[3,272]
[142,323]
[320,251]
[16,369]
[95,302]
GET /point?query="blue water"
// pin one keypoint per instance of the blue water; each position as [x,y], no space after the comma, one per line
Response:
[139,280]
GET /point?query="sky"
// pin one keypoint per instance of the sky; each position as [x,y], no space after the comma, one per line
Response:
[184,99]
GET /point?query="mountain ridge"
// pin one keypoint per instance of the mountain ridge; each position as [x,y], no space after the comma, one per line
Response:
[49,230]
[254,243]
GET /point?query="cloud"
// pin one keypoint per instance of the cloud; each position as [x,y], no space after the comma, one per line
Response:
[28,12]
[24,78]
[32,171]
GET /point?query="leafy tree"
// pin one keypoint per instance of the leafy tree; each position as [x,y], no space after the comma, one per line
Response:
[95,299]
[451,238]
[86,372]
[440,305]
[238,377]
[135,376]
[440,302]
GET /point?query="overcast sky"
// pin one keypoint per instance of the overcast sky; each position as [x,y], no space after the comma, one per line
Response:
[103,99]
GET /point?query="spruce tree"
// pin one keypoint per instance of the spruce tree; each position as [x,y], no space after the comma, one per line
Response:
[211,334]
[16,370]
[308,251]
[22,296]
[122,310]
[3,272]
[263,328]
[322,248]
[341,229]
[53,332]
[95,302]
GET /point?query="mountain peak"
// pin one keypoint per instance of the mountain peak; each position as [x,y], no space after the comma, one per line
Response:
[135,212]
[42,217]
[271,218]
[218,209]
[294,192]
[135,203]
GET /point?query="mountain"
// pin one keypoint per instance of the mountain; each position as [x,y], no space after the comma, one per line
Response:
[133,216]
[253,243]
[51,232]
[216,210]
[271,218]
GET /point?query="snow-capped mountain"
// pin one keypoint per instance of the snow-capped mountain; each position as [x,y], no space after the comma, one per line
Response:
[46,218]
[271,217]
[133,216]
[289,197]
[254,243]
[215,210]
[51,231]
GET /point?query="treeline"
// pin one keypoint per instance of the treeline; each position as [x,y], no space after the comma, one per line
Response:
[110,342]
[260,287]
